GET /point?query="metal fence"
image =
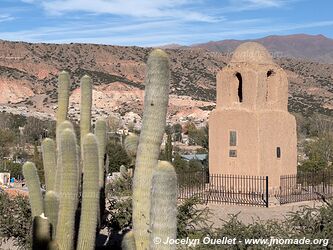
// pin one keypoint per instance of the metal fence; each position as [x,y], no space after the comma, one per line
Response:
[220,188]
[305,186]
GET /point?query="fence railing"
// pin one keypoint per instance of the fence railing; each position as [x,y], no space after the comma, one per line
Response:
[305,186]
[221,188]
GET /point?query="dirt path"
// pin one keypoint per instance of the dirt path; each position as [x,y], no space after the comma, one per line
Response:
[248,213]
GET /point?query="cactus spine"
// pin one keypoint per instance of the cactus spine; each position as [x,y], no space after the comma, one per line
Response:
[155,105]
[163,205]
[69,190]
[90,194]
[33,183]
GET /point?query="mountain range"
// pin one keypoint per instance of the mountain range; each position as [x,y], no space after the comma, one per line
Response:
[28,75]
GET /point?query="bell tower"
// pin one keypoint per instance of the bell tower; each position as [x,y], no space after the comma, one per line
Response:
[251,131]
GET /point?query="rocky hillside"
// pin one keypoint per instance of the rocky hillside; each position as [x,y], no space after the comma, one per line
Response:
[28,79]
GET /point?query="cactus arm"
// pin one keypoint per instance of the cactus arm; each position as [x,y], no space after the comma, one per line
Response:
[100,132]
[63,96]
[131,144]
[86,103]
[41,232]
[33,183]
[153,125]
[49,162]
[51,207]
[64,125]
[90,194]
[69,190]
[163,212]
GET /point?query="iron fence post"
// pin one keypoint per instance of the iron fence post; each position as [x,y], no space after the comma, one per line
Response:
[266,191]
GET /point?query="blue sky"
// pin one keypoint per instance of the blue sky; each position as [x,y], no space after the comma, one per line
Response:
[159,22]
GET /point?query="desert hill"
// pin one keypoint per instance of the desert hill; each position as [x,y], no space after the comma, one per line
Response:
[28,79]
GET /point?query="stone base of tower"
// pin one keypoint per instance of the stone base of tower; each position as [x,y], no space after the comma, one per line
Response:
[260,143]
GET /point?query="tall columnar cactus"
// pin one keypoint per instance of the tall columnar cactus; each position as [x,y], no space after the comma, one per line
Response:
[51,208]
[62,170]
[150,205]
[90,193]
[163,205]
[63,96]
[62,126]
[153,126]
[69,190]
[33,183]
[86,103]
[100,132]
[131,146]
[49,162]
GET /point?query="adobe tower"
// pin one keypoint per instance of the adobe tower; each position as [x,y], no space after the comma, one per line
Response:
[251,131]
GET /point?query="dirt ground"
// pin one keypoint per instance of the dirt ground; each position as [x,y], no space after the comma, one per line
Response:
[247,214]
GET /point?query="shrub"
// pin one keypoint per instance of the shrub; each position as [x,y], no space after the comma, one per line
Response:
[15,220]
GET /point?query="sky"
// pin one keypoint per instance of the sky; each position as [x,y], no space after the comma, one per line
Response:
[160,22]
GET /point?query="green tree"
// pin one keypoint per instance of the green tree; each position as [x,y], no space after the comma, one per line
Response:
[15,169]
[195,165]
[320,154]
[7,139]
[177,132]
[37,159]
[117,156]
[199,136]
[180,164]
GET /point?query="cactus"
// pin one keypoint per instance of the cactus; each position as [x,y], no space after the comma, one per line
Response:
[100,132]
[69,190]
[41,232]
[62,170]
[155,106]
[150,206]
[123,172]
[64,125]
[128,242]
[49,162]
[86,103]
[63,96]
[33,183]
[163,212]
[51,207]
[131,144]
[90,194]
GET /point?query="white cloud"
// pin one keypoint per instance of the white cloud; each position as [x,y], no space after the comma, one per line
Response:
[6,18]
[133,8]
[245,5]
